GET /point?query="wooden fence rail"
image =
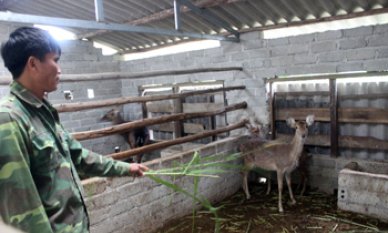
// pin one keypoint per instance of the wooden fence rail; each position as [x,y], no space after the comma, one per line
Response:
[161,145]
[72,107]
[116,129]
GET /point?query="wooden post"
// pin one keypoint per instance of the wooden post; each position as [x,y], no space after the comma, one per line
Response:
[225,104]
[333,118]
[178,108]
[272,109]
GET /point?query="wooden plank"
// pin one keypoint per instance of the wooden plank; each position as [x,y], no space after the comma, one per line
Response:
[187,127]
[330,76]
[161,145]
[72,107]
[356,115]
[165,107]
[178,108]
[355,142]
[217,83]
[272,111]
[301,93]
[364,96]
[116,129]
[201,107]
[327,93]
[333,118]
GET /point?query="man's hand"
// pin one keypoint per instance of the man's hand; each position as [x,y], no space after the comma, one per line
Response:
[137,169]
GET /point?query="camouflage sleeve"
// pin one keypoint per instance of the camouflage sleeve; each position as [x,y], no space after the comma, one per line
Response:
[20,204]
[90,163]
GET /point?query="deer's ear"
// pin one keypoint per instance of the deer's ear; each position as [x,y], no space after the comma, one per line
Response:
[310,119]
[290,122]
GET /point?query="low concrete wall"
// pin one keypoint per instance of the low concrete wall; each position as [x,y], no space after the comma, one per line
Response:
[364,189]
[324,171]
[141,205]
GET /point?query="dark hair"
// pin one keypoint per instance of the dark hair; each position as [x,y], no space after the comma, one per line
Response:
[23,43]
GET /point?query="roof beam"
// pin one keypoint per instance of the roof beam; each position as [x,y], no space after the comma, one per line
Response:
[209,17]
[312,21]
[4,4]
[99,10]
[74,23]
[163,14]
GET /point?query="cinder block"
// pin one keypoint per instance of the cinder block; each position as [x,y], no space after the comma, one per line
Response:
[282,61]
[382,53]
[331,56]
[376,65]
[305,58]
[278,51]
[305,39]
[128,190]
[361,31]
[324,68]
[264,73]
[298,48]
[296,70]
[121,207]
[381,29]
[251,36]
[329,35]
[253,44]
[107,198]
[90,56]
[238,56]
[277,42]
[350,66]
[378,40]
[323,46]
[361,54]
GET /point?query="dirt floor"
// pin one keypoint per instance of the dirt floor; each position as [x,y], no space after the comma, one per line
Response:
[313,212]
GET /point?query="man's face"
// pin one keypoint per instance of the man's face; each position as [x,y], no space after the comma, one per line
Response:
[49,72]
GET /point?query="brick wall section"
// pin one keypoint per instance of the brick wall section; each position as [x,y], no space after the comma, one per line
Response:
[141,205]
[358,49]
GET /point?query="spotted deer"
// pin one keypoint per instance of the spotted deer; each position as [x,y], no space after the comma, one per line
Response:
[281,157]
[135,138]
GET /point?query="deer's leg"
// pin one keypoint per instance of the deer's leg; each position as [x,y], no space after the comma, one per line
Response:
[280,187]
[132,140]
[304,186]
[288,179]
[245,182]
[269,183]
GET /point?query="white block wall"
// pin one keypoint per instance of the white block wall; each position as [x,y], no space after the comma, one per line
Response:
[142,205]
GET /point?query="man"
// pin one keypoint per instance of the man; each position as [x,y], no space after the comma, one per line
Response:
[40,190]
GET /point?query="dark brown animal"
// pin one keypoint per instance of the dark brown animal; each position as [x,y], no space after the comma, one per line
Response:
[281,157]
[135,138]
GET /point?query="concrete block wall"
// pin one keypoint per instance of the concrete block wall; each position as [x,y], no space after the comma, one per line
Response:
[359,49]
[141,205]
[324,171]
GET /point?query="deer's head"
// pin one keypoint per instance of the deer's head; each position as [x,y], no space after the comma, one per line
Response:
[112,115]
[301,126]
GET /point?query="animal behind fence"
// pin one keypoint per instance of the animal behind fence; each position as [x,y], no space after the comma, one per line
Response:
[135,138]
[279,157]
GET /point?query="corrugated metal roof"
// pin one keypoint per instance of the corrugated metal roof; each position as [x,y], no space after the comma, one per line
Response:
[241,15]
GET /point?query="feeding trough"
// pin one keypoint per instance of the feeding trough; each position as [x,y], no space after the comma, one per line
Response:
[363,188]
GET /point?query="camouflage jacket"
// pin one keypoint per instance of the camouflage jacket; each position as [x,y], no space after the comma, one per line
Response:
[40,190]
